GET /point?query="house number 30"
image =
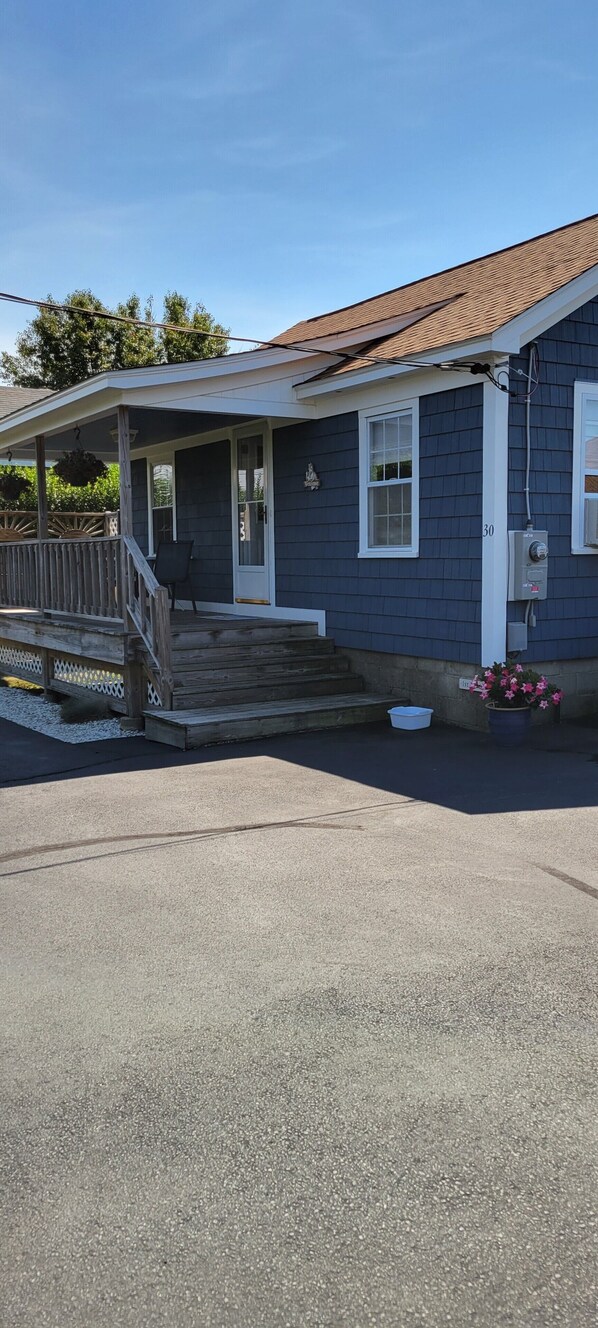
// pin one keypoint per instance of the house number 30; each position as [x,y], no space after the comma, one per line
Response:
[488,529]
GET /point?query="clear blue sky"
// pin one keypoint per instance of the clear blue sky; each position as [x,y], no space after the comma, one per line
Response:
[276,158]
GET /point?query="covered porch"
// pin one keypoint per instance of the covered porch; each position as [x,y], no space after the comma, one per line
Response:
[75,609]
[79,611]
[89,613]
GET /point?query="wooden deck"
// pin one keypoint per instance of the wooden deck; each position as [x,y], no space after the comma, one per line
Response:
[232,677]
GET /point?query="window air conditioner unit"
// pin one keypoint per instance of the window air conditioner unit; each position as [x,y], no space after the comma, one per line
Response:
[590,522]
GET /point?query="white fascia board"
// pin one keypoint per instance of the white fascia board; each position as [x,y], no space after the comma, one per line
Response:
[274,391]
[382,394]
[34,418]
[545,313]
[196,370]
[209,404]
[68,416]
[151,387]
[278,378]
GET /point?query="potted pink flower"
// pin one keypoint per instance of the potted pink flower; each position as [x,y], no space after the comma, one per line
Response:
[511,692]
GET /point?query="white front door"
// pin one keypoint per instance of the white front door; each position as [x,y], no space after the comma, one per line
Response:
[252,542]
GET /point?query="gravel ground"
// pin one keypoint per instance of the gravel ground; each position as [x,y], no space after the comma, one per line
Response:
[34,712]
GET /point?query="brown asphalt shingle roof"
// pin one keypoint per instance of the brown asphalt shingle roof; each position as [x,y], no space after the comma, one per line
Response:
[480,295]
[16,398]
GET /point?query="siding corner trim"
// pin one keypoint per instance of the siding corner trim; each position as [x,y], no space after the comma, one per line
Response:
[495,471]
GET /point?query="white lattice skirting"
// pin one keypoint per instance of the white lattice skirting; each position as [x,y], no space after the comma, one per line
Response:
[106,681]
[22,661]
[153,698]
[97,679]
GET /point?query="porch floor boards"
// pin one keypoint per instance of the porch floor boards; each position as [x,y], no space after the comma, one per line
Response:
[82,620]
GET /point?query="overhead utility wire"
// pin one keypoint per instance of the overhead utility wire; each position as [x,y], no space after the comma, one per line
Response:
[475,368]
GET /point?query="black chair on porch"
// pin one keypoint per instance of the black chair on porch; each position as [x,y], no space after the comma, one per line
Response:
[171,567]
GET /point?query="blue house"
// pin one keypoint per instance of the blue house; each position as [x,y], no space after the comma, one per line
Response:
[392,494]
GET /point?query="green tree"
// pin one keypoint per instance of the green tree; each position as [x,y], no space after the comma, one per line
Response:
[133,347]
[60,348]
[177,347]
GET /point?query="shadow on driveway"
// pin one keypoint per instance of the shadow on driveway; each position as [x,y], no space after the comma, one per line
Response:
[451,767]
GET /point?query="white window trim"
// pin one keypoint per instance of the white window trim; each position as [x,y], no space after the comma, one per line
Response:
[581,391]
[159,458]
[365,418]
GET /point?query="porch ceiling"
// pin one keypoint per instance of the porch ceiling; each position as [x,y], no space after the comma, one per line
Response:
[154,427]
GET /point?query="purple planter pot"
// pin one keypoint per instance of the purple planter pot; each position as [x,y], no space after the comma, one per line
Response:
[509,728]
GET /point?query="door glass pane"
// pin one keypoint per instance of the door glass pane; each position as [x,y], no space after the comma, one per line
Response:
[162,503]
[591,413]
[592,453]
[162,485]
[162,525]
[250,501]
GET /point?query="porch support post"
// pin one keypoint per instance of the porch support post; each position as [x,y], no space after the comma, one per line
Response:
[125,526]
[124,464]
[132,671]
[47,674]
[42,492]
[42,534]
[133,678]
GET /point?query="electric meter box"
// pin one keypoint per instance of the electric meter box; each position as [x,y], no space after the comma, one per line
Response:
[528,564]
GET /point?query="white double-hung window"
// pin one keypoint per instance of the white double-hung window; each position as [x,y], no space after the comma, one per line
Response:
[584,505]
[389,482]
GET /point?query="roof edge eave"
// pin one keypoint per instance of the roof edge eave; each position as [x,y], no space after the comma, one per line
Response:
[111,389]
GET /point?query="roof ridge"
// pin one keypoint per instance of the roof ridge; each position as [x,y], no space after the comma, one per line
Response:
[443,271]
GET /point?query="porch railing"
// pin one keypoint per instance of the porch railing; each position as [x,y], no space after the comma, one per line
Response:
[18,525]
[81,577]
[147,606]
[102,578]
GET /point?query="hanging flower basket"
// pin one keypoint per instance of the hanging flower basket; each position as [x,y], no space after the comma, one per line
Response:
[13,485]
[79,468]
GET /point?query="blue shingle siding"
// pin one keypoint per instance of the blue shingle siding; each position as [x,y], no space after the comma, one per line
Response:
[427,606]
[139,500]
[203,499]
[567,621]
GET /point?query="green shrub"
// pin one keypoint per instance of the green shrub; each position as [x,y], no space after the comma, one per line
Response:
[100,497]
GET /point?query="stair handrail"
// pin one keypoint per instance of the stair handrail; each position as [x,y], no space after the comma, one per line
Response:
[148,608]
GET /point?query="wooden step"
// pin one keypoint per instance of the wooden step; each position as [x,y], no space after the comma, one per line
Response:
[220,633]
[234,723]
[190,656]
[276,689]
[241,670]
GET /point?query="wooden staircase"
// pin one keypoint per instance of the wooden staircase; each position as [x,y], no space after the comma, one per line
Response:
[239,678]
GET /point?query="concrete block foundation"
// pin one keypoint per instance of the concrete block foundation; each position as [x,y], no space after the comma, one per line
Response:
[433,682]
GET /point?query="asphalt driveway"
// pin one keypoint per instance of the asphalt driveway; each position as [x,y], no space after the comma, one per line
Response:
[299,1034]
